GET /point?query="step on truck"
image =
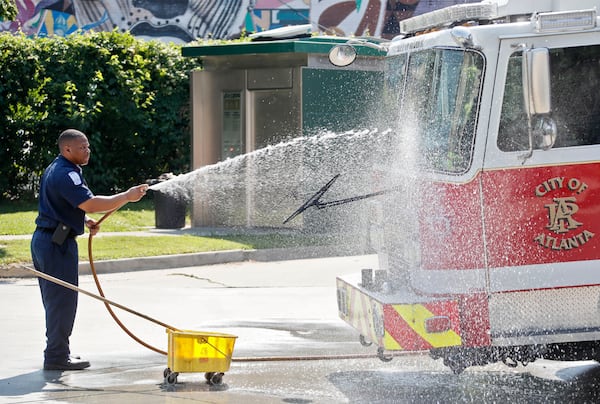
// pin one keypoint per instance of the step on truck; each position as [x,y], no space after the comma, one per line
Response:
[489,248]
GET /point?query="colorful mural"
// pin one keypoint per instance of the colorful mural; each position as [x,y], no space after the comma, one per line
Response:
[379,18]
[181,21]
[268,14]
[176,21]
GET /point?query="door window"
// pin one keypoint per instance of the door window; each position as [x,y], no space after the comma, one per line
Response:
[575,94]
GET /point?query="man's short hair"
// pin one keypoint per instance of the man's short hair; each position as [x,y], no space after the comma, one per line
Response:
[69,135]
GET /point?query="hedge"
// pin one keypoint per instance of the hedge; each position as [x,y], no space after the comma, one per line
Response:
[131,97]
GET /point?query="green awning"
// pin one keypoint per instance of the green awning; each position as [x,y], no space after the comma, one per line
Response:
[317,44]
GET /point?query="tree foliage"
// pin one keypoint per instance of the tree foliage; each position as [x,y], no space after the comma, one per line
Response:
[8,10]
[129,96]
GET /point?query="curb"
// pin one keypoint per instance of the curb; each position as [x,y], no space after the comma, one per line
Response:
[199,259]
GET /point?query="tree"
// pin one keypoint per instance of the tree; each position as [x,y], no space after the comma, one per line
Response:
[8,10]
[107,84]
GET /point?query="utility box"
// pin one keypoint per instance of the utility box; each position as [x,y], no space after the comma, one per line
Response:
[250,95]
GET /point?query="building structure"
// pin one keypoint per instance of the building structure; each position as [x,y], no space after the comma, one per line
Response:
[255,94]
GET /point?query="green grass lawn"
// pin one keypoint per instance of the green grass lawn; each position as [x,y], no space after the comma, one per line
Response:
[115,247]
[18,219]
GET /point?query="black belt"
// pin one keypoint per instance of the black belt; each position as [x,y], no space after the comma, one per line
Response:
[45,229]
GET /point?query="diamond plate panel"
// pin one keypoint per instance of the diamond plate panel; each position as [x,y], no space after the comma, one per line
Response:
[543,313]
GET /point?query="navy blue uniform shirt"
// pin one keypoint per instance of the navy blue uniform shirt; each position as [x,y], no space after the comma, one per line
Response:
[62,190]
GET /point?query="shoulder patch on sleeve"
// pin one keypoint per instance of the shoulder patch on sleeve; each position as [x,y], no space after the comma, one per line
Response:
[75,178]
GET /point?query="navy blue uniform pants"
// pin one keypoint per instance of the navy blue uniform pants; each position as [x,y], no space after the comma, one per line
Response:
[60,303]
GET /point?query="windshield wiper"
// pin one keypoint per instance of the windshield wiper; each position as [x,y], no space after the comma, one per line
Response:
[315,200]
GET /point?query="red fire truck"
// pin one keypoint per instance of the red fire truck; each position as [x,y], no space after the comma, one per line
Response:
[489,246]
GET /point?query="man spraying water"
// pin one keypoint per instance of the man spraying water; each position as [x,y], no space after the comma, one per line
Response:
[64,201]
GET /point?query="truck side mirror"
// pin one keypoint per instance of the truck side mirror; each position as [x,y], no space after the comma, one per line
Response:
[545,133]
[536,81]
[536,97]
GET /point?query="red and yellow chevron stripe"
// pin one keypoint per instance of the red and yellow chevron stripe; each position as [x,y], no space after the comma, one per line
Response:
[405,326]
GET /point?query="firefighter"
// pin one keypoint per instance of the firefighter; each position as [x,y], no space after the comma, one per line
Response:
[64,200]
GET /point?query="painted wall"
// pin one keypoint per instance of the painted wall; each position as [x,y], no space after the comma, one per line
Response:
[181,21]
[178,21]
[377,18]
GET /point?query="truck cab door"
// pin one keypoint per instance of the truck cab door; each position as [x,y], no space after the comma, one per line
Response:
[540,206]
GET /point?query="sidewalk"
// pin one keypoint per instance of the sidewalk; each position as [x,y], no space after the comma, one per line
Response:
[276,309]
[152,231]
[192,259]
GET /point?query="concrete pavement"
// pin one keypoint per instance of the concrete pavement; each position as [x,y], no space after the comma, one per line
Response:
[280,311]
[279,302]
[277,309]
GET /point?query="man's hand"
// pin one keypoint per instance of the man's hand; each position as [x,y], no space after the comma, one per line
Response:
[136,193]
[92,225]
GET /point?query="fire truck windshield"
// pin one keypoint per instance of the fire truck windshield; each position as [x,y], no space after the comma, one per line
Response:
[438,91]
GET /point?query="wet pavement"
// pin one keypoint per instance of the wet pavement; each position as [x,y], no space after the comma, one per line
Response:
[291,346]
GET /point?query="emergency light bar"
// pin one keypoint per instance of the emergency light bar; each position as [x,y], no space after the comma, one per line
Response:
[495,10]
[565,21]
[449,15]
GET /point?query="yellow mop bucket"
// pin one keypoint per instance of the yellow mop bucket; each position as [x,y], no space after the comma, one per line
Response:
[198,351]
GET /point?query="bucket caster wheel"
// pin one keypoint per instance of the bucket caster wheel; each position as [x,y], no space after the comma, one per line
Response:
[214,378]
[382,356]
[170,377]
[456,366]
[363,341]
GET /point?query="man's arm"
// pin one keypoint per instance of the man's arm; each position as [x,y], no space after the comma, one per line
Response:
[102,203]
